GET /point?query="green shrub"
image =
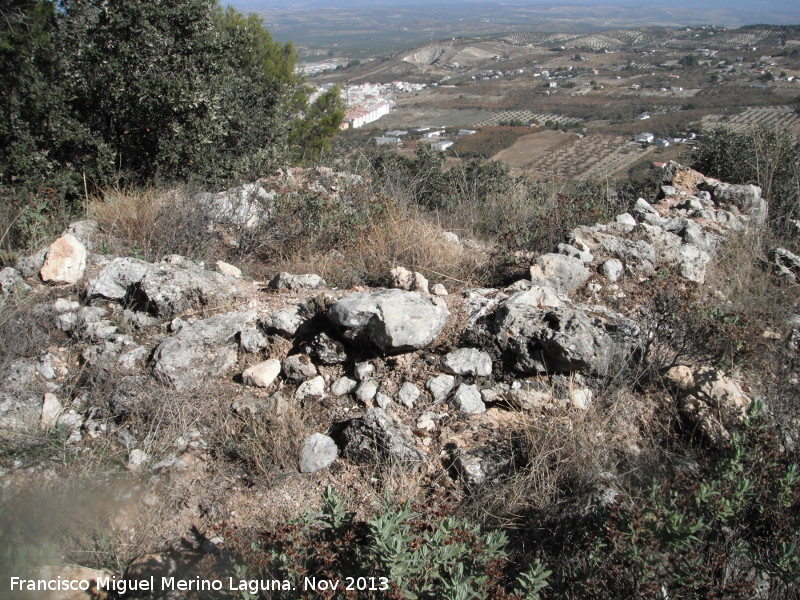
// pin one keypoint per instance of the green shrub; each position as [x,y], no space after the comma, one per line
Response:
[399,553]
[718,529]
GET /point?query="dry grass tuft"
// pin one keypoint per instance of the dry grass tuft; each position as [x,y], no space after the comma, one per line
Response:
[412,242]
[149,223]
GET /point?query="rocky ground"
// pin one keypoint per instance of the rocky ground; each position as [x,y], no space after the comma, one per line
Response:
[156,402]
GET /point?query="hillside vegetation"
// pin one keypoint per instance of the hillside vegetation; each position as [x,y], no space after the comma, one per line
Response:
[382,375]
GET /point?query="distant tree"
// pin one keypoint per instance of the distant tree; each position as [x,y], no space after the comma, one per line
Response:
[690,60]
[312,130]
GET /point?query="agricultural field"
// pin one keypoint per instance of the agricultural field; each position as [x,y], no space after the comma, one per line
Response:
[596,84]
[783,117]
[525,116]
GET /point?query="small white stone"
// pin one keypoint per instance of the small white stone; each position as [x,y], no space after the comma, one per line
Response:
[263,374]
[228,269]
[51,409]
[312,387]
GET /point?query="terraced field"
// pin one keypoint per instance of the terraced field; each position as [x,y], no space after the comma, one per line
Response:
[550,154]
[784,117]
[526,116]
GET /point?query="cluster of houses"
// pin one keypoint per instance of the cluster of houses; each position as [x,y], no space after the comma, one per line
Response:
[426,134]
[368,102]
[646,138]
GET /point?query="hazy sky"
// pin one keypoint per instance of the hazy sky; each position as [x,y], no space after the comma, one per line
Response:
[788,6]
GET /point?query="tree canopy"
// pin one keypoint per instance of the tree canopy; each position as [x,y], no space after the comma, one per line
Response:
[154,90]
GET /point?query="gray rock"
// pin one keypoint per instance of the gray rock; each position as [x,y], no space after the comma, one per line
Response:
[408,394]
[205,349]
[29,266]
[327,350]
[467,399]
[366,390]
[690,261]
[67,322]
[483,465]
[404,279]
[440,386]
[363,369]
[612,269]
[570,250]
[11,281]
[376,437]
[246,206]
[295,283]
[747,198]
[164,289]
[299,367]
[20,410]
[62,305]
[564,274]
[343,386]
[438,290]
[284,321]
[642,206]
[132,359]
[393,320]
[176,284]
[554,340]
[468,361]
[115,280]
[383,400]
[786,264]
[251,339]
[317,453]
[314,387]
[86,232]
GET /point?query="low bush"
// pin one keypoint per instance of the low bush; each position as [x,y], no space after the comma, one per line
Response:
[400,553]
[721,525]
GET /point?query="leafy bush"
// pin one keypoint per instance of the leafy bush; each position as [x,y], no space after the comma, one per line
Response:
[101,93]
[723,528]
[397,554]
[767,157]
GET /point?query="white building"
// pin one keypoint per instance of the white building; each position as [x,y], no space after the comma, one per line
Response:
[645,138]
[441,145]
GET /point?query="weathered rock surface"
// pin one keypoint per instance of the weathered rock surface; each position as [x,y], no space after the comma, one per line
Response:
[406,280]
[317,453]
[467,399]
[786,264]
[376,437]
[710,400]
[164,289]
[295,283]
[746,198]
[298,367]
[207,348]
[65,261]
[393,320]
[553,340]
[564,274]
[11,281]
[262,374]
[468,361]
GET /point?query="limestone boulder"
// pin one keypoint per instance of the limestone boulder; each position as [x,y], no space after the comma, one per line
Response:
[554,340]
[392,320]
[202,350]
[317,453]
[65,261]
[563,273]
